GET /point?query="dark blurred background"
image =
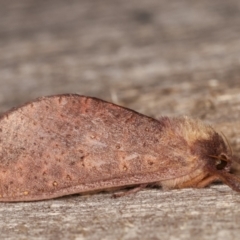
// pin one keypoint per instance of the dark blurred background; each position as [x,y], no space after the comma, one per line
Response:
[159,57]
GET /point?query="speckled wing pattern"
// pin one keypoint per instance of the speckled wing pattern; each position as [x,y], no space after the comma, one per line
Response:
[68,144]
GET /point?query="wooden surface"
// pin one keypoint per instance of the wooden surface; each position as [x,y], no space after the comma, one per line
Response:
[157,57]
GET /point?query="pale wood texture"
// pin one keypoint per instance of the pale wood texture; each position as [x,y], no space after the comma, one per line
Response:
[156,57]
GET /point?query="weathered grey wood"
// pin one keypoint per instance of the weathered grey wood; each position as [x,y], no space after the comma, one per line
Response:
[157,57]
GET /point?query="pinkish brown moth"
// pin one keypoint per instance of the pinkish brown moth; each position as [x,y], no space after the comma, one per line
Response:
[67,144]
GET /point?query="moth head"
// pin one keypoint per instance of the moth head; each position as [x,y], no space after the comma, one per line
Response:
[210,146]
[218,153]
[214,152]
[221,162]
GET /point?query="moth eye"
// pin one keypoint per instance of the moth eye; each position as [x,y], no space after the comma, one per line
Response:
[221,163]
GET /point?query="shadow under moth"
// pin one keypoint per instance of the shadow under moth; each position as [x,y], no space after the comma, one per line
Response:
[67,144]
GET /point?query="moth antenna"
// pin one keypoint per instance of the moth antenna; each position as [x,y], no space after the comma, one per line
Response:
[229,146]
[219,158]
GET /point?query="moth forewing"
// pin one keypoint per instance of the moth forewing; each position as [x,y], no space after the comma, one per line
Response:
[66,144]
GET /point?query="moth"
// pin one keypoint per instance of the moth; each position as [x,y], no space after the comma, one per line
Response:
[67,144]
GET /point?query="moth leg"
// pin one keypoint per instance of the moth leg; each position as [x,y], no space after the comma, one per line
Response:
[206,181]
[128,192]
[231,180]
